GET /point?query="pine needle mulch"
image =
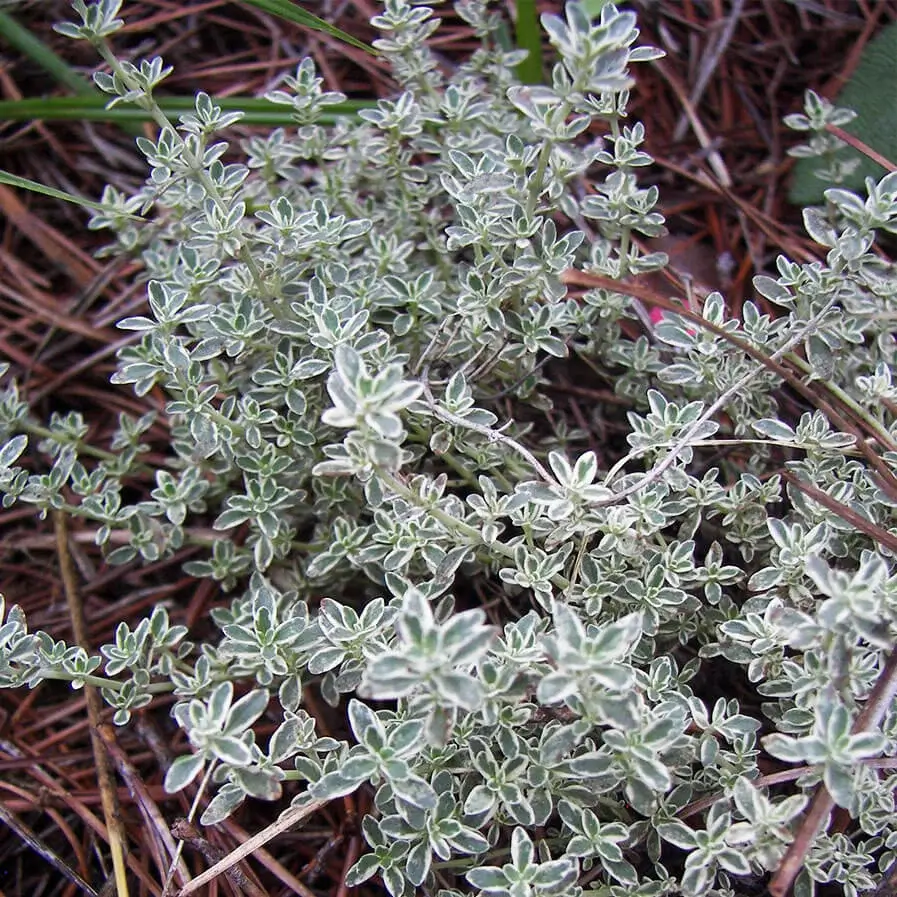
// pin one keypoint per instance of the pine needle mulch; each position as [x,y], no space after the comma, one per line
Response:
[712,109]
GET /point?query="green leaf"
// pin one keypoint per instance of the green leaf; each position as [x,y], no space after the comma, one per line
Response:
[522,852]
[223,804]
[334,784]
[591,765]
[407,736]
[122,555]
[651,772]
[487,878]
[418,863]
[784,748]
[359,769]
[415,791]
[183,771]
[839,782]
[479,801]
[230,750]
[555,687]
[774,429]
[469,841]
[246,711]
[555,876]
[459,689]
[290,11]
[363,721]
[362,870]
[677,834]
[10,452]
[229,519]
[696,879]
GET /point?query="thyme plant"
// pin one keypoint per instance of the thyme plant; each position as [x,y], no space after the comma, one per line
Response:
[351,326]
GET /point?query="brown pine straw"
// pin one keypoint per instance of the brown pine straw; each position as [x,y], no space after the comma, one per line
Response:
[161,841]
[864,148]
[737,75]
[42,850]
[287,820]
[111,809]
[244,879]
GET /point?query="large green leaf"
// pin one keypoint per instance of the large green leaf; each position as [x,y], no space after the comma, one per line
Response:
[870,92]
[529,38]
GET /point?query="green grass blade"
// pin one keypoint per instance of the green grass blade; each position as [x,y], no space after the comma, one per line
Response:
[529,38]
[25,42]
[93,108]
[290,11]
[13,180]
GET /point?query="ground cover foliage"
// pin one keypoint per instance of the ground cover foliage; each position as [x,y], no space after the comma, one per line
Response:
[352,328]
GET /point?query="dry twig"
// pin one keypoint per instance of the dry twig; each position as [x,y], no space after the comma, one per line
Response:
[111,809]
